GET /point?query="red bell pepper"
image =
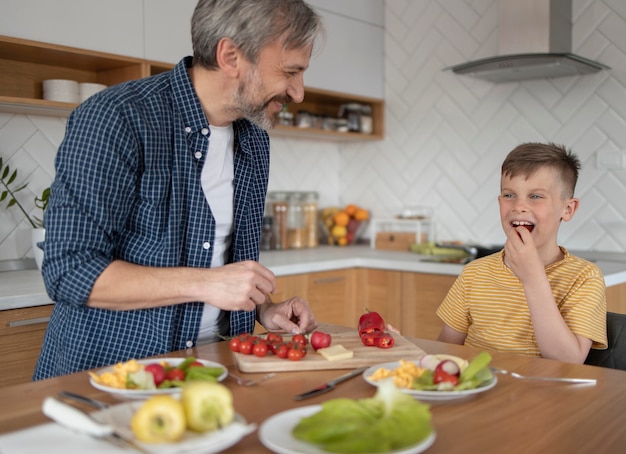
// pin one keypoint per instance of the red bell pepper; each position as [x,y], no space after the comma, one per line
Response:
[371,322]
[378,339]
[385,340]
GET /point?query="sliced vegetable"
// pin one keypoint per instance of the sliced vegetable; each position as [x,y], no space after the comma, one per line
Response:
[479,362]
[378,339]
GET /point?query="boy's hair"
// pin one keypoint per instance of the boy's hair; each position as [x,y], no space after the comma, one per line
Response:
[527,158]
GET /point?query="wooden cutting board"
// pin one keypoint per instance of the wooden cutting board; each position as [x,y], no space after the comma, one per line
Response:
[363,356]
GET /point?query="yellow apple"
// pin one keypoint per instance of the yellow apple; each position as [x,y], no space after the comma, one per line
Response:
[160,419]
[208,405]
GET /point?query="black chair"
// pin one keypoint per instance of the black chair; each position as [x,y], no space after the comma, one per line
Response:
[614,356]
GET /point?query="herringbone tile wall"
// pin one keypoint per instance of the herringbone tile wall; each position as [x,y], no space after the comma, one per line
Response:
[446,135]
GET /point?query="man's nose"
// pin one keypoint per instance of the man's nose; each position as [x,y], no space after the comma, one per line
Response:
[295,90]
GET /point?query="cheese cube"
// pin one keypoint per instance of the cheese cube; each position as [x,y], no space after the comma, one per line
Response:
[335,352]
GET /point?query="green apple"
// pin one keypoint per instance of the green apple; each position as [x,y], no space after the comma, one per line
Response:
[208,405]
[160,419]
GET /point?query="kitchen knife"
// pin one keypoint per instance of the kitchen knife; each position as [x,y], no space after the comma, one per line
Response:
[81,422]
[329,386]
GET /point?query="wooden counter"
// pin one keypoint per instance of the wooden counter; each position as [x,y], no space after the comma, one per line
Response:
[515,416]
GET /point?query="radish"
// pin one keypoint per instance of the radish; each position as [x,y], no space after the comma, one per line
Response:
[429,362]
[449,367]
[448,372]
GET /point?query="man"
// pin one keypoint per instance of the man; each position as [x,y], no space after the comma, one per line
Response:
[154,220]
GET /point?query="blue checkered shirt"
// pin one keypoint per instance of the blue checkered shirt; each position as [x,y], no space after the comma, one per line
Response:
[127,187]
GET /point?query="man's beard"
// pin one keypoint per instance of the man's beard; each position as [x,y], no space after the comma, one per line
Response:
[245,107]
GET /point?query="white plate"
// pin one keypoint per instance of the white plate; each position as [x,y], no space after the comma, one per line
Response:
[275,434]
[429,395]
[145,393]
[119,416]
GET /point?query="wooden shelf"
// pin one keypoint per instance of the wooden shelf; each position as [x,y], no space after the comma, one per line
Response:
[328,103]
[25,64]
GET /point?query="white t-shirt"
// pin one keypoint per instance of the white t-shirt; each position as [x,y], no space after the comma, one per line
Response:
[217,178]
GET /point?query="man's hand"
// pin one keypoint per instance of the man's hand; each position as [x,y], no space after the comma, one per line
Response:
[238,286]
[291,316]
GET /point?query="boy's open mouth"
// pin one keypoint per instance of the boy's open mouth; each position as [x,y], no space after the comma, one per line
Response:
[529,226]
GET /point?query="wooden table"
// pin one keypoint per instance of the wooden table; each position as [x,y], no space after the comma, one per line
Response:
[515,416]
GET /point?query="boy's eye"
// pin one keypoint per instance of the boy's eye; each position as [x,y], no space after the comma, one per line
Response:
[507,196]
[535,196]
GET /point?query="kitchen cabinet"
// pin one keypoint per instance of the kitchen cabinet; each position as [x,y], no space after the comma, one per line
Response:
[330,294]
[421,296]
[370,11]
[407,300]
[168,15]
[24,64]
[351,57]
[114,26]
[21,336]
[379,291]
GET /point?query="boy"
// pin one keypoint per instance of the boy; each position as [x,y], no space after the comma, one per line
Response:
[533,297]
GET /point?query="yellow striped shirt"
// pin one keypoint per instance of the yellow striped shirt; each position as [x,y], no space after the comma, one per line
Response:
[487,302]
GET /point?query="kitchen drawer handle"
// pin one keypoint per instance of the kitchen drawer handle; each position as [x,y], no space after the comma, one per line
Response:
[329,280]
[30,321]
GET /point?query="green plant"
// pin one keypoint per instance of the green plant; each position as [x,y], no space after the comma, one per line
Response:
[7,178]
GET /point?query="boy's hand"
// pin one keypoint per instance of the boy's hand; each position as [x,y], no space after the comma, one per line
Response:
[522,256]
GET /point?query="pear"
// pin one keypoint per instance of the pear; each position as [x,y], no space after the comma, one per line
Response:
[160,419]
[208,405]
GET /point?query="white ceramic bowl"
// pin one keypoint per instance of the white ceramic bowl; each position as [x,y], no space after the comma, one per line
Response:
[62,90]
[87,89]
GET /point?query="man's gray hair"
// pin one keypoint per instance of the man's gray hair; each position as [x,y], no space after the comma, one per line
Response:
[251,25]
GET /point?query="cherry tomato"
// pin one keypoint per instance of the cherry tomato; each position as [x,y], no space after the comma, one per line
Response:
[246,347]
[295,354]
[234,344]
[260,349]
[281,350]
[196,364]
[273,337]
[300,339]
[175,375]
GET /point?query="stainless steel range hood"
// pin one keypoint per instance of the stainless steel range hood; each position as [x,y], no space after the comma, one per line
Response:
[535,39]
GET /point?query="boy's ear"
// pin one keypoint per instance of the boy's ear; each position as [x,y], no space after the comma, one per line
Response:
[570,209]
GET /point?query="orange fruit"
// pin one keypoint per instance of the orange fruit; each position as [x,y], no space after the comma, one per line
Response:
[351,209]
[341,218]
[361,214]
[339,231]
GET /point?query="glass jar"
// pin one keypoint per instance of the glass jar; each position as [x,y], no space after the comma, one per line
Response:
[309,213]
[295,221]
[279,204]
[267,234]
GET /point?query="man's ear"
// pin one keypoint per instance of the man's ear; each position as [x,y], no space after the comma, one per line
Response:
[570,209]
[229,57]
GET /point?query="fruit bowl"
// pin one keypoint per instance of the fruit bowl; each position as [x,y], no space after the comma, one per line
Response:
[343,227]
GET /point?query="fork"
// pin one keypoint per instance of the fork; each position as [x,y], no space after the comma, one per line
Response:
[588,381]
[249,382]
